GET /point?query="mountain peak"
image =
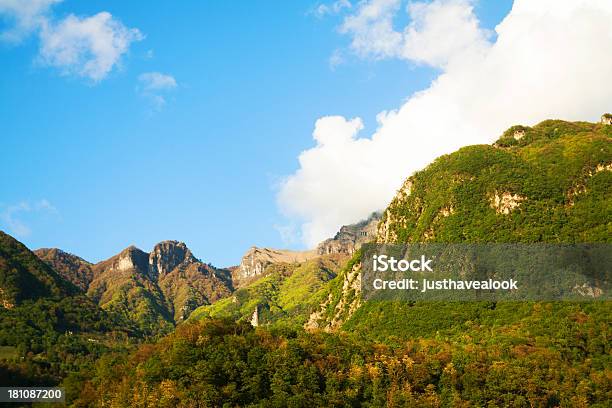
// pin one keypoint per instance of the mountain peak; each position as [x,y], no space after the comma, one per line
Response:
[167,255]
[131,258]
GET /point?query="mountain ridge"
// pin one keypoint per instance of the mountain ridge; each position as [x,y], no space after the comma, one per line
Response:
[155,289]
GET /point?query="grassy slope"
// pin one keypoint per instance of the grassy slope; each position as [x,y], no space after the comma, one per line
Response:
[286,294]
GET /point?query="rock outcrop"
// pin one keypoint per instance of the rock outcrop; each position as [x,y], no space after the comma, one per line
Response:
[350,237]
[255,261]
[168,255]
[255,317]
[505,202]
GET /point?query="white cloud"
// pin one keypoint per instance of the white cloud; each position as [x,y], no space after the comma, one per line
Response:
[11,216]
[25,15]
[438,32]
[336,59]
[443,31]
[372,29]
[333,8]
[156,81]
[154,85]
[89,47]
[550,60]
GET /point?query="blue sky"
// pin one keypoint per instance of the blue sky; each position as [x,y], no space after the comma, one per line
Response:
[92,166]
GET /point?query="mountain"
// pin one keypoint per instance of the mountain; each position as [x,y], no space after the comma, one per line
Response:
[157,289]
[23,276]
[69,266]
[350,237]
[548,183]
[125,285]
[256,260]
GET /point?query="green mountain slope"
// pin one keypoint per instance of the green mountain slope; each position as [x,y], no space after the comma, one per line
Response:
[23,276]
[549,183]
[48,327]
[284,295]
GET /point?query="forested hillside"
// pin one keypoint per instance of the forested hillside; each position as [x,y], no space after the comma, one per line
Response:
[48,327]
[550,183]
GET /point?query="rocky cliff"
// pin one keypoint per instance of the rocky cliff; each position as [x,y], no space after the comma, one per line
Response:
[255,261]
[347,240]
[350,237]
[167,256]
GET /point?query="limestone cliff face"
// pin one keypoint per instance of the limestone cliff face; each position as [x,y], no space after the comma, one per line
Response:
[335,310]
[350,237]
[118,275]
[168,255]
[256,260]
